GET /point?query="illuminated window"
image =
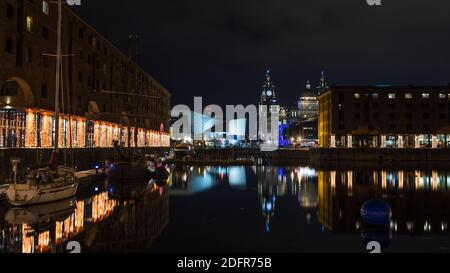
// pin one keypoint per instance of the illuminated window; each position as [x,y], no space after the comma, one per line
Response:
[442,96]
[45,8]
[408,96]
[391,96]
[29,24]
[357,95]
[425,96]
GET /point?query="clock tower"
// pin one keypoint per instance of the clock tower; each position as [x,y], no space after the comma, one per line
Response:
[268,95]
[268,98]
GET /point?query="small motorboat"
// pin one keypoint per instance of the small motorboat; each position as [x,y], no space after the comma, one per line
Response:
[43,186]
[376,212]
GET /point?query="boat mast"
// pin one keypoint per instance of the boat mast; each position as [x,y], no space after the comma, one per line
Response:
[53,164]
[58,76]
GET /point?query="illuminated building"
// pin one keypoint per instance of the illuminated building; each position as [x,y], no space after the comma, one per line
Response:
[309,112]
[385,117]
[104,90]
[308,105]
[268,98]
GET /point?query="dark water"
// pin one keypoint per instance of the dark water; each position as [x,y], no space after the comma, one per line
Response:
[108,217]
[298,209]
[240,209]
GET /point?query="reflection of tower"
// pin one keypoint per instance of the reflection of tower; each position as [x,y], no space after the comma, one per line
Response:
[296,184]
[268,191]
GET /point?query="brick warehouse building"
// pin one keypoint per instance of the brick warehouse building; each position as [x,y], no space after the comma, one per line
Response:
[96,81]
[385,117]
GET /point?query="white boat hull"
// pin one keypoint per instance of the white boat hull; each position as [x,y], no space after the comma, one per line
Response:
[23,195]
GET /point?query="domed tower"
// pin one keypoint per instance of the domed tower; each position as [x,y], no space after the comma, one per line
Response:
[308,104]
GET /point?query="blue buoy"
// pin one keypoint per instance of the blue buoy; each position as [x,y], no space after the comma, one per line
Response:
[376,212]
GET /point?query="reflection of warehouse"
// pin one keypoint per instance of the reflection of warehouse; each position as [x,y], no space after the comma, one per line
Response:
[103,89]
[419,200]
[96,220]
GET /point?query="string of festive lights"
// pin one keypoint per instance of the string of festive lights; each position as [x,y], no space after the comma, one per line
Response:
[38,126]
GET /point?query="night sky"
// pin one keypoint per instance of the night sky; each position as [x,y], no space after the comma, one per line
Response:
[220,49]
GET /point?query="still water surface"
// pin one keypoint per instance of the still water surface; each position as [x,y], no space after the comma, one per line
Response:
[240,209]
[300,209]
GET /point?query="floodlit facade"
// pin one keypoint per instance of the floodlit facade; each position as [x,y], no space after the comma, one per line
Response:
[385,117]
[104,91]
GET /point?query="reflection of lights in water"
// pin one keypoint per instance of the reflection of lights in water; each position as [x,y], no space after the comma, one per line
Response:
[444,226]
[44,241]
[79,216]
[400,180]
[435,180]
[58,232]
[394,225]
[427,226]
[410,226]
[306,172]
[27,239]
[237,177]
[357,225]
[350,182]
[269,207]
[308,218]
[383,180]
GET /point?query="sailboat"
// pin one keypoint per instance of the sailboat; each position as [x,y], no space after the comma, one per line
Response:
[53,183]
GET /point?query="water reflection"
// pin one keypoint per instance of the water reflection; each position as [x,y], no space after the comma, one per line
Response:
[124,217]
[188,180]
[419,199]
[312,205]
[278,182]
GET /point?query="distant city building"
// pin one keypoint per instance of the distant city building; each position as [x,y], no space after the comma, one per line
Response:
[268,98]
[385,116]
[323,85]
[268,94]
[308,104]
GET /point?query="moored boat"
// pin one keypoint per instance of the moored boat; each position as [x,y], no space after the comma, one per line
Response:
[43,186]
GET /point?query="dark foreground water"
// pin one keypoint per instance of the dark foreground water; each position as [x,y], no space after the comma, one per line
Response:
[299,209]
[240,209]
